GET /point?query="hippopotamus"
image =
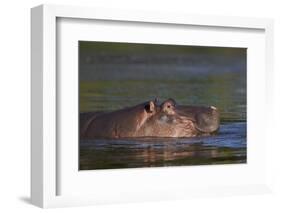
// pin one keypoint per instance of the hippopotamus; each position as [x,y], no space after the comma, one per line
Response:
[151,119]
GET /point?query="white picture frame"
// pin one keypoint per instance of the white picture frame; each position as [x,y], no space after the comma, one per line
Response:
[44,149]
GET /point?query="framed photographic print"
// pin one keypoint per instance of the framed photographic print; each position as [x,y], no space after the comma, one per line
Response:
[130,106]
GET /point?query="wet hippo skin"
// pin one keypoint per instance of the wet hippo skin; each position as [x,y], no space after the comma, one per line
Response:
[150,119]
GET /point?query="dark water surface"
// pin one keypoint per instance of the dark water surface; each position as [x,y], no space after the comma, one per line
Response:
[229,146]
[113,76]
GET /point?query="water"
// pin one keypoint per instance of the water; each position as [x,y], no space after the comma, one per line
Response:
[227,147]
[115,76]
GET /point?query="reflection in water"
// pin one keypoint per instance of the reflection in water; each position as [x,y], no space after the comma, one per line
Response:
[227,147]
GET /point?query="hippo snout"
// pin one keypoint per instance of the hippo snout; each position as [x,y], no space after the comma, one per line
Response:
[208,120]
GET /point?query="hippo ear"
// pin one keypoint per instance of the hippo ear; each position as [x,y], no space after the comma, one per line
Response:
[149,107]
[156,100]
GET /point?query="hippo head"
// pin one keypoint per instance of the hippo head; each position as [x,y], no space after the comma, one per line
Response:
[151,119]
[171,120]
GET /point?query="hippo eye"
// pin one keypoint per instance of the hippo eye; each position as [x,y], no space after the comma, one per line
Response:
[169,106]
